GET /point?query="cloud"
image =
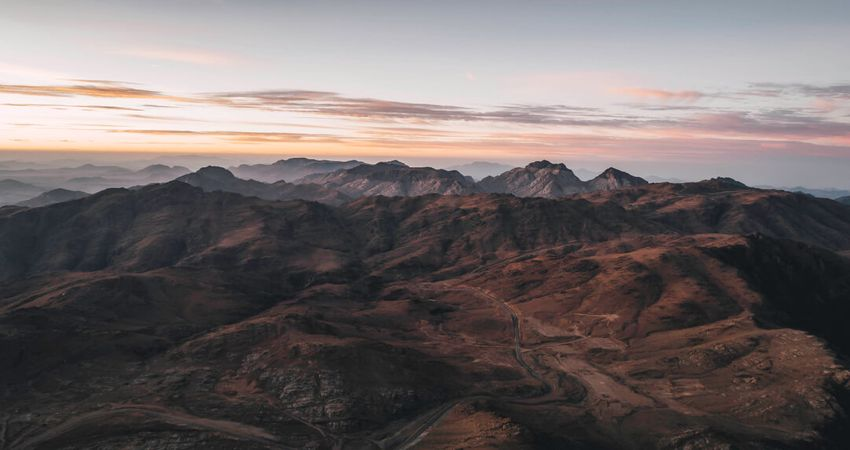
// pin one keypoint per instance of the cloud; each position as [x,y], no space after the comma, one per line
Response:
[240,136]
[372,121]
[774,124]
[100,90]
[833,91]
[61,106]
[662,95]
[186,56]
[334,104]
[163,118]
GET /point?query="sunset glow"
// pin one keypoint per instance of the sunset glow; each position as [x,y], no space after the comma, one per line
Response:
[296,78]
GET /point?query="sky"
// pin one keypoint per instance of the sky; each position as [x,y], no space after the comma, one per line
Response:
[756,90]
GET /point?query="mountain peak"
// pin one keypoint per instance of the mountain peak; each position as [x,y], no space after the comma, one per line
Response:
[215,172]
[613,178]
[728,181]
[394,162]
[544,164]
[154,167]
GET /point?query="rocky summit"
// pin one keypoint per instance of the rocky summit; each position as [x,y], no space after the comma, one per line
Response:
[545,179]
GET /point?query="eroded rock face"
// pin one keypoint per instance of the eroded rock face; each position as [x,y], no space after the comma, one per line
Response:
[545,179]
[652,317]
[538,179]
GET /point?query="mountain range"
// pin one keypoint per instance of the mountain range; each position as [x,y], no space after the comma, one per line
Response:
[88,178]
[545,179]
[670,315]
[219,179]
[290,169]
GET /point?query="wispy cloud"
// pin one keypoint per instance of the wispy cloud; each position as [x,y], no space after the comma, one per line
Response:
[334,104]
[661,94]
[776,124]
[808,114]
[241,136]
[833,91]
[61,106]
[100,90]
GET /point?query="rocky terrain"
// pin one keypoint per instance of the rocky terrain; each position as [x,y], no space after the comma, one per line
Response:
[696,315]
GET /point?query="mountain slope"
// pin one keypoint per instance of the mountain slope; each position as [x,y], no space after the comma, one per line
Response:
[723,205]
[172,317]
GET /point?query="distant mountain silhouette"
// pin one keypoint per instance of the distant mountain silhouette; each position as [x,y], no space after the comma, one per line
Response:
[394,178]
[53,196]
[290,169]
[13,191]
[220,179]
[481,169]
